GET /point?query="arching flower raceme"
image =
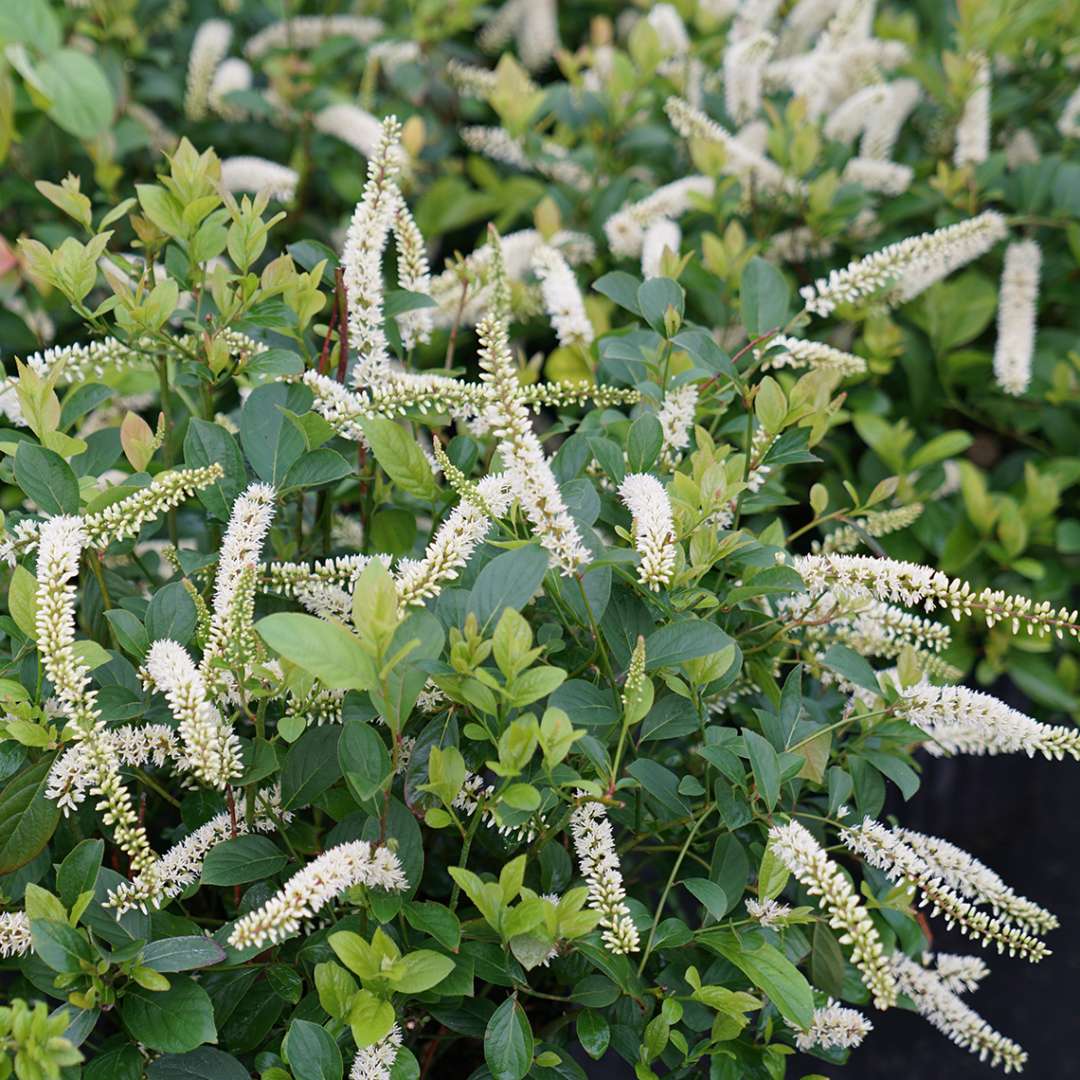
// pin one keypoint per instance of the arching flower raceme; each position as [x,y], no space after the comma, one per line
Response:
[796,848]
[973,131]
[884,176]
[744,69]
[875,523]
[562,297]
[959,974]
[627,228]
[208,49]
[352,125]
[355,862]
[935,1002]
[594,843]
[307,31]
[801,352]
[1016,318]
[652,526]
[256,174]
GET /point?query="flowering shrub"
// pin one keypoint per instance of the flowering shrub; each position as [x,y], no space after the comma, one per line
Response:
[473,671]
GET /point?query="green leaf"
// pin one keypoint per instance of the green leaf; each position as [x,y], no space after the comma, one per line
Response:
[311,766]
[30,22]
[324,649]
[763,297]
[620,287]
[182,954]
[312,1052]
[683,639]
[336,988]
[247,858]
[370,1018]
[78,872]
[27,817]
[766,766]
[171,614]
[654,298]
[947,445]
[852,666]
[435,919]
[174,1020]
[270,441]
[710,894]
[593,1033]
[364,759]
[769,970]
[204,443]
[317,467]
[423,970]
[826,961]
[206,1063]
[130,633]
[22,601]
[398,453]
[509,580]
[643,443]
[508,1042]
[46,478]
[81,99]
[61,946]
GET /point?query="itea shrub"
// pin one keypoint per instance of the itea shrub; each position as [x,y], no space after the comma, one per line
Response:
[415,723]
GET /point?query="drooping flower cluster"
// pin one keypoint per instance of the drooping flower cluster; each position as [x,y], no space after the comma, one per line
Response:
[900,862]
[796,848]
[1016,318]
[594,843]
[964,721]
[652,527]
[376,1062]
[935,1002]
[355,862]
[834,1025]
[899,272]
[863,577]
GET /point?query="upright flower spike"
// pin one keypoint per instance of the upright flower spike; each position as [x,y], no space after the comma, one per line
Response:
[744,69]
[210,745]
[899,272]
[834,1025]
[955,1020]
[562,297]
[527,468]
[676,418]
[376,1062]
[355,862]
[594,843]
[1016,317]
[208,49]
[652,526]
[361,258]
[59,549]
[232,75]
[899,862]
[864,577]
[973,131]
[414,275]
[796,848]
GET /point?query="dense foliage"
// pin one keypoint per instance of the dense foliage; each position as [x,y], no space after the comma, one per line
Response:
[476,672]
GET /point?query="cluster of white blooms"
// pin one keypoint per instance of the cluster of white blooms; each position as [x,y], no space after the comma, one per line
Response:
[662,235]
[884,122]
[768,912]
[963,721]
[60,546]
[944,1010]
[874,523]
[414,275]
[900,862]
[210,744]
[796,848]
[497,143]
[15,937]
[70,778]
[182,864]
[231,637]
[959,974]
[470,80]
[208,49]
[1016,317]
[798,244]
[801,352]
[851,117]
[527,467]
[341,571]
[885,177]
[594,843]
[971,878]
[627,228]
[352,125]
[355,862]
[256,174]
[376,1062]
[670,29]
[562,296]
[834,1025]
[307,31]
[1021,149]
[754,171]
[676,418]
[453,544]
[907,267]
[534,25]
[752,16]
[744,69]
[361,258]
[1069,120]
[863,577]
[652,527]
[804,21]
[973,130]
[477,795]
[232,76]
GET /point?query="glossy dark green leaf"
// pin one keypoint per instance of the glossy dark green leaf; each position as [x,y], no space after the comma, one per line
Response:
[312,1052]
[182,954]
[205,443]
[46,478]
[764,297]
[174,1020]
[311,766]
[247,858]
[508,1042]
[27,817]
